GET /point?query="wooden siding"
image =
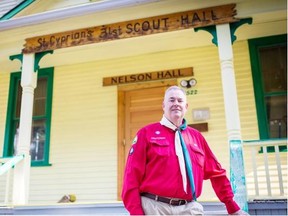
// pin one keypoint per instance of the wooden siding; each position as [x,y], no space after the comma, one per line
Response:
[4,91]
[42,6]
[83,148]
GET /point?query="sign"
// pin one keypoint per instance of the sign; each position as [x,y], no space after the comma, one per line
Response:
[144,77]
[152,25]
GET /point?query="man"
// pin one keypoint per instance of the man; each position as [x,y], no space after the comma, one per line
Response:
[157,180]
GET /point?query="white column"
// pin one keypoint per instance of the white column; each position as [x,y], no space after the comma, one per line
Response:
[237,173]
[22,169]
[228,82]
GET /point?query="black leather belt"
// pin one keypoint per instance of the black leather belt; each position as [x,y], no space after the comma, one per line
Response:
[174,202]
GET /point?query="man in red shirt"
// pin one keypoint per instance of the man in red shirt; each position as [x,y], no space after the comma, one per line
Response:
[154,181]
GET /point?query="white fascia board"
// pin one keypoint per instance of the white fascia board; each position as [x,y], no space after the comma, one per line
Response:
[69,12]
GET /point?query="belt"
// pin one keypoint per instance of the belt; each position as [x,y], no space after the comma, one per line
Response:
[170,201]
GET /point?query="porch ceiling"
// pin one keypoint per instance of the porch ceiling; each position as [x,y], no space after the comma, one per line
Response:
[12,40]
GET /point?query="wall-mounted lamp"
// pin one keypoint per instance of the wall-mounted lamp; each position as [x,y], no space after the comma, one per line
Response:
[188,83]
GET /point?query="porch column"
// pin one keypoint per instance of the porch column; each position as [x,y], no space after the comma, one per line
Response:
[237,174]
[22,169]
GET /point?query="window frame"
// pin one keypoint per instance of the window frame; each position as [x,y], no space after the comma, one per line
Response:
[11,113]
[254,45]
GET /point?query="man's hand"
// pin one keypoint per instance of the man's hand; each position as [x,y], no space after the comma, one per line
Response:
[240,212]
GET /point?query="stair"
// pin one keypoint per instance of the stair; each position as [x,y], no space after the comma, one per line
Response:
[117,208]
[256,207]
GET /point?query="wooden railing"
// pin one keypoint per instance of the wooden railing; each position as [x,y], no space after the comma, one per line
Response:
[6,165]
[266,168]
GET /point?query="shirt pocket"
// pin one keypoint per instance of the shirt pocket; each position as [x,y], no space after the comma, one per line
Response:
[160,147]
[197,156]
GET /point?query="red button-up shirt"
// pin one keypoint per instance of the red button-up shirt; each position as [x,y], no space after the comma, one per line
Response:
[152,166]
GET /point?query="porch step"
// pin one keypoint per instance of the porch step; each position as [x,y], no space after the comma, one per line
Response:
[211,208]
[256,207]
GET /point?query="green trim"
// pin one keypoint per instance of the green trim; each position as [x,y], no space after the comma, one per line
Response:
[49,73]
[8,136]
[16,9]
[38,57]
[254,45]
[19,57]
[11,109]
[211,30]
[233,27]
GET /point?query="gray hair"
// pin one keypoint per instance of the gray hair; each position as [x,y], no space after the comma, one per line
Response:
[174,88]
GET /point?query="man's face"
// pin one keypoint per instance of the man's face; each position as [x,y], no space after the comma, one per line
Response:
[175,105]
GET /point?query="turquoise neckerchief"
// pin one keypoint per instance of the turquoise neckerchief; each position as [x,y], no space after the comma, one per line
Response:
[187,159]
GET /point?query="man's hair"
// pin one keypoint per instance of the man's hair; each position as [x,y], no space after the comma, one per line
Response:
[174,88]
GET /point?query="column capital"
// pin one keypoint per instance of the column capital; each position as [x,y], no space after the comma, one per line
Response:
[38,57]
[233,27]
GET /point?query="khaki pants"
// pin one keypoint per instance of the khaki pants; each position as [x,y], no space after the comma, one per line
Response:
[153,207]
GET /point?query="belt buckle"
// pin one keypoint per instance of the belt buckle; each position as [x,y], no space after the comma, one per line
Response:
[171,200]
[177,200]
[185,202]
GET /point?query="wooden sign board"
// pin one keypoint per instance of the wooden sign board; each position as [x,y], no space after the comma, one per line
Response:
[152,25]
[144,77]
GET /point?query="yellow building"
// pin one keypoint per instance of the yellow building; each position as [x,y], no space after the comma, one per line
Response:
[102,68]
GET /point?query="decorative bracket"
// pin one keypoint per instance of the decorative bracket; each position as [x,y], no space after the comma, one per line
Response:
[38,57]
[233,27]
[19,57]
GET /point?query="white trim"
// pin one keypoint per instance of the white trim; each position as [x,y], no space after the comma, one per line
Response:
[69,12]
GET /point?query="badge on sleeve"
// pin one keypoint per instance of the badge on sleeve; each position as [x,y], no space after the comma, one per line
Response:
[131,151]
[135,140]
[133,143]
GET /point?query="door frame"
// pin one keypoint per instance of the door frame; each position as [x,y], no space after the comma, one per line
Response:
[121,160]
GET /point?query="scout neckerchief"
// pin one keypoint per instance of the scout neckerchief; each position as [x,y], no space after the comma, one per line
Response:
[181,150]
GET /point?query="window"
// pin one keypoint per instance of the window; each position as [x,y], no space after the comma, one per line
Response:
[269,69]
[40,134]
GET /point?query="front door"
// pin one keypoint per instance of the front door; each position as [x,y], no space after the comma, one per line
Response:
[137,107]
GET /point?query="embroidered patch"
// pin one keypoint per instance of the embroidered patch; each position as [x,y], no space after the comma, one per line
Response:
[135,140]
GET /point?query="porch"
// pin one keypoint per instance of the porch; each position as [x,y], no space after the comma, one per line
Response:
[257,207]
[266,180]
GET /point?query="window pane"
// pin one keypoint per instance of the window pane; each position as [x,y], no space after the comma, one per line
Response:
[38,139]
[273,62]
[40,95]
[276,108]
[16,138]
[18,99]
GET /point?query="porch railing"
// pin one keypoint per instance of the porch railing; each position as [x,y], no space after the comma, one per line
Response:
[266,168]
[6,165]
